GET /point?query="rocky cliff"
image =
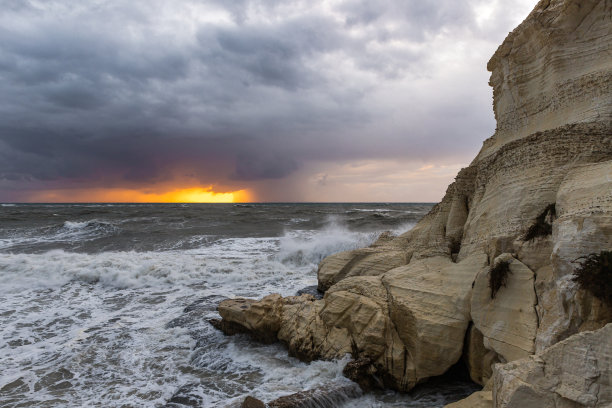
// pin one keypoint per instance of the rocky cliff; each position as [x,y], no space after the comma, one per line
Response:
[536,198]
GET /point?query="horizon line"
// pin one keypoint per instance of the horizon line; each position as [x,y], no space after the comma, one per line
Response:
[242,202]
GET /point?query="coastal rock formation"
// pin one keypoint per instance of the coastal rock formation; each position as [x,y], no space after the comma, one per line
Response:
[583,226]
[325,396]
[508,322]
[538,196]
[576,372]
[480,399]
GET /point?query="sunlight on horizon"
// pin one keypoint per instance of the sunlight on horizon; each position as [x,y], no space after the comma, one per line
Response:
[115,195]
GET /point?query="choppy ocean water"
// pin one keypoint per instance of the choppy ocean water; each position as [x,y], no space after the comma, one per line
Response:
[107,305]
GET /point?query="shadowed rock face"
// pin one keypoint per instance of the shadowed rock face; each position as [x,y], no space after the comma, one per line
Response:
[405,303]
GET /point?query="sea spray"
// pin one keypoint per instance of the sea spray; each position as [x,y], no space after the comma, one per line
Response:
[107,305]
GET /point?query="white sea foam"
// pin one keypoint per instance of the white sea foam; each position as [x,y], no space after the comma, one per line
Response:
[69,232]
[310,247]
[379,210]
[129,328]
[80,317]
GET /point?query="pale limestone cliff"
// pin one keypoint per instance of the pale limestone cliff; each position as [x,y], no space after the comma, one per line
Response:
[409,304]
[552,70]
[574,373]
[508,322]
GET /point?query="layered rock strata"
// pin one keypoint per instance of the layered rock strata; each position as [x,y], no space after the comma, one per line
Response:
[414,305]
[574,373]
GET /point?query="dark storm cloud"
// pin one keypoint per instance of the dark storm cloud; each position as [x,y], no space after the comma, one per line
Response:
[270,56]
[418,17]
[243,90]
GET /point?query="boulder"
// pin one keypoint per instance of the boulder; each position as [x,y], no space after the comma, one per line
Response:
[429,304]
[360,262]
[574,373]
[508,322]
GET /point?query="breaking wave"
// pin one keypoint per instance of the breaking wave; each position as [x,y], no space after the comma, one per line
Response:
[100,327]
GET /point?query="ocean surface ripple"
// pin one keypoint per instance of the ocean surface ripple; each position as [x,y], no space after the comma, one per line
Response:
[107,305]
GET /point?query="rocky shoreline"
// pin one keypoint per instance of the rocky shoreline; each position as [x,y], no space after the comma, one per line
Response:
[488,275]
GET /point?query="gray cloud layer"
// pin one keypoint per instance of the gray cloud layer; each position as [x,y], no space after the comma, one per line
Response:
[236,91]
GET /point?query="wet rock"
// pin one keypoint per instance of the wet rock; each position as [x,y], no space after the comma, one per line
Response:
[204,304]
[250,402]
[185,396]
[329,396]
[363,372]
[55,381]
[228,328]
[310,290]
[15,387]
[261,319]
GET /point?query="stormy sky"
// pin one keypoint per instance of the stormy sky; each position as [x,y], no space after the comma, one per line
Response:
[293,100]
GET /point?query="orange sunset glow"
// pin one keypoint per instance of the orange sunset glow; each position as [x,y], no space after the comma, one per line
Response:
[122,195]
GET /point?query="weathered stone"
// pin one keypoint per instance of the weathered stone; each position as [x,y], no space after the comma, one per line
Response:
[363,372]
[261,319]
[584,226]
[360,262]
[553,69]
[509,321]
[576,372]
[479,360]
[480,399]
[429,303]
[405,302]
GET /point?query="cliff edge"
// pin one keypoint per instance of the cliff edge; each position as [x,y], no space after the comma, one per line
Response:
[487,275]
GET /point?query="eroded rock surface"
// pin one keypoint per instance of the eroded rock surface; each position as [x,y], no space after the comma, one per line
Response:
[405,303]
[509,321]
[481,399]
[574,373]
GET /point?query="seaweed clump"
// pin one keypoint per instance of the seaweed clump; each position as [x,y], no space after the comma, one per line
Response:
[541,226]
[595,275]
[498,276]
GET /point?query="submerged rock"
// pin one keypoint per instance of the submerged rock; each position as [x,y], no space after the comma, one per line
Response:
[310,290]
[185,396]
[250,402]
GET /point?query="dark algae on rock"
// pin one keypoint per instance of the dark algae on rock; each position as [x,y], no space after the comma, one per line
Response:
[542,225]
[595,275]
[498,276]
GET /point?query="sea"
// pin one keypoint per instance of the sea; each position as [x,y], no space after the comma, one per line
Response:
[107,305]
